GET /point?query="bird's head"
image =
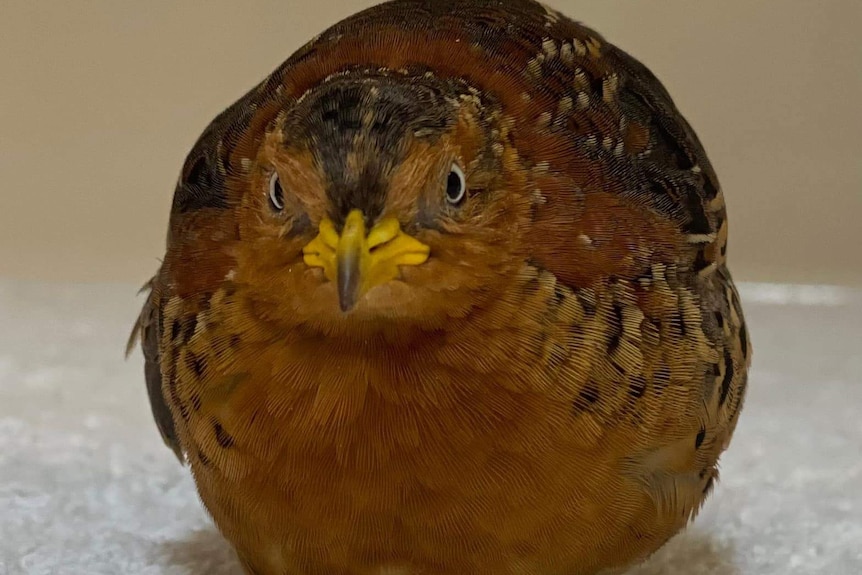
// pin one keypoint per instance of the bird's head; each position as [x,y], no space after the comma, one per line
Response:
[378,198]
[389,176]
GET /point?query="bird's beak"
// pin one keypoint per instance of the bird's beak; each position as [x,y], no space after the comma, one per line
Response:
[358,261]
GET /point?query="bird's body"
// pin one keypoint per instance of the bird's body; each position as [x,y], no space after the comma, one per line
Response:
[538,379]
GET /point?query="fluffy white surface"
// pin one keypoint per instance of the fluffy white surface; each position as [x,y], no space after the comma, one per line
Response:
[86,486]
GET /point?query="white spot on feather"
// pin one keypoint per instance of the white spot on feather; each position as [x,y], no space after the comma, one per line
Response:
[549,47]
[700,238]
[567,53]
[538,197]
[610,85]
[580,47]
[583,100]
[534,67]
[581,80]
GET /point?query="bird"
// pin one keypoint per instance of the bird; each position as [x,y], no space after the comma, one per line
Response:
[447,294]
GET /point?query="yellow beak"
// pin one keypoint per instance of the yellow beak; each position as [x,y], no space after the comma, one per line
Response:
[359,262]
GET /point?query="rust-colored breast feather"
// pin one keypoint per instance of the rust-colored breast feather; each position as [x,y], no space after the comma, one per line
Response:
[564,420]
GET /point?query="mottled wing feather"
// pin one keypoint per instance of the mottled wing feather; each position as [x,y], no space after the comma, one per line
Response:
[148,330]
[200,194]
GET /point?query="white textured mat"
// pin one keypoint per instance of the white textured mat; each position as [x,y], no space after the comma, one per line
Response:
[86,486]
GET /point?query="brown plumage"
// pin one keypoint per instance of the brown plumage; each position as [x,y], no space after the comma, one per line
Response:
[371,371]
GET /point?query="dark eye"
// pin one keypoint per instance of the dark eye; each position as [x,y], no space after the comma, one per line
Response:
[456,186]
[276,193]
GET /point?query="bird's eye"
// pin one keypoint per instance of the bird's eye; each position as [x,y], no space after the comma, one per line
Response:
[276,193]
[456,186]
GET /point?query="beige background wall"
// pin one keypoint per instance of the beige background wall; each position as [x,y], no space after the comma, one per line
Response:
[101,99]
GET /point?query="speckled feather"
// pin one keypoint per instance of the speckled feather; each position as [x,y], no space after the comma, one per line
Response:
[554,388]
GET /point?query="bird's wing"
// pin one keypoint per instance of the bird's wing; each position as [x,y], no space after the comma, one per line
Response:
[148,331]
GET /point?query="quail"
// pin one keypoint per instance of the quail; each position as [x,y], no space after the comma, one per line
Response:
[447,294]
